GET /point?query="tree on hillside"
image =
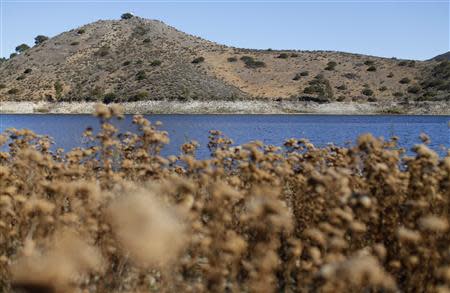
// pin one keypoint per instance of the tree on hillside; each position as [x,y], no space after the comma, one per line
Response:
[22,48]
[40,39]
[127,15]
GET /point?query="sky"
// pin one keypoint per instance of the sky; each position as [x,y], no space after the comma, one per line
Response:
[415,29]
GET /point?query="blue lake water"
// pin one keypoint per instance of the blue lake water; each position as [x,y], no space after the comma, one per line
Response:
[66,130]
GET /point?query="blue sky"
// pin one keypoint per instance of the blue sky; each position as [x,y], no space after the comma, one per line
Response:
[404,29]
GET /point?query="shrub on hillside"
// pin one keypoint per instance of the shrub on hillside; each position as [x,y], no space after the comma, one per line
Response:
[76,43]
[58,89]
[13,91]
[2,86]
[414,89]
[319,86]
[390,75]
[109,98]
[369,62]
[402,63]
[283,56]
[382,89]
[103,51]
[342,87]
[304,73]
[21,77]
[40,39]
[198,60]
[147,40]
[250,62]
[367,92]
[404,80]
[232,59]
[12,55]
[140,96]
[331,66]
[156,63]
[127,15]
[28,70]
[398,94]
[141,75]
[22,48]
[372,68]
[81,31]
[126,63]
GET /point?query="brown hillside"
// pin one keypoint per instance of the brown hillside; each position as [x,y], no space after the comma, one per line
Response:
[139,59]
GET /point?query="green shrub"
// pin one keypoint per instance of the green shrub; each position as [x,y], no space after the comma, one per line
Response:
[58,89]
[369,62]
[126,63]
[142,95]
[294,55]
[141,75]
[342,87]
[439,78]
[331,65]
[404,80]
[40,39]
[297,77]
[147,40]
[12,55]
[13,91]
[127,15]
[156,63]
[76,43]
[319,86]
[372,68]
[398,94]
[21,77]
[283,56]
[390,75]
[412,63]
[413,89]
[372,99]
[232,59]
[402,63]
[28,70]
[250,62]
[367,92]
[382,89]
[109,98]
[198,60]
[22,48]
[81,31]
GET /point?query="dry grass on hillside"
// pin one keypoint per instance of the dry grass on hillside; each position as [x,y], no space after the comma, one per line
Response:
[139,59]
[116,216]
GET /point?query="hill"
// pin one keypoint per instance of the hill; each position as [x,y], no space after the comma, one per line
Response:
[138,59]
[442,57]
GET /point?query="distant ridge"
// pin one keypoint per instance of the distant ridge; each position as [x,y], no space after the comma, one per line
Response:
[139,59]
[442,57]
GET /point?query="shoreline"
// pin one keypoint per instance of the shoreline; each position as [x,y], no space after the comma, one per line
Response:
[235,107]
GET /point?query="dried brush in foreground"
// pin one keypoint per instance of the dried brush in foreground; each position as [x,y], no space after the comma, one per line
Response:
[116,216]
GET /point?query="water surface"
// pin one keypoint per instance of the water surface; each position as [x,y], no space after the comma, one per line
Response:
[271,129]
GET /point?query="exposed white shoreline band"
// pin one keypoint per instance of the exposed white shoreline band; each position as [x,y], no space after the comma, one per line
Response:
[232,107]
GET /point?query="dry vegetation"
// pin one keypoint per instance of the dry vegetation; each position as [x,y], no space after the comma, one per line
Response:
[115,216]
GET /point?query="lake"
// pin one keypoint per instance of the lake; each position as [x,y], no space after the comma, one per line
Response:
[271,129]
